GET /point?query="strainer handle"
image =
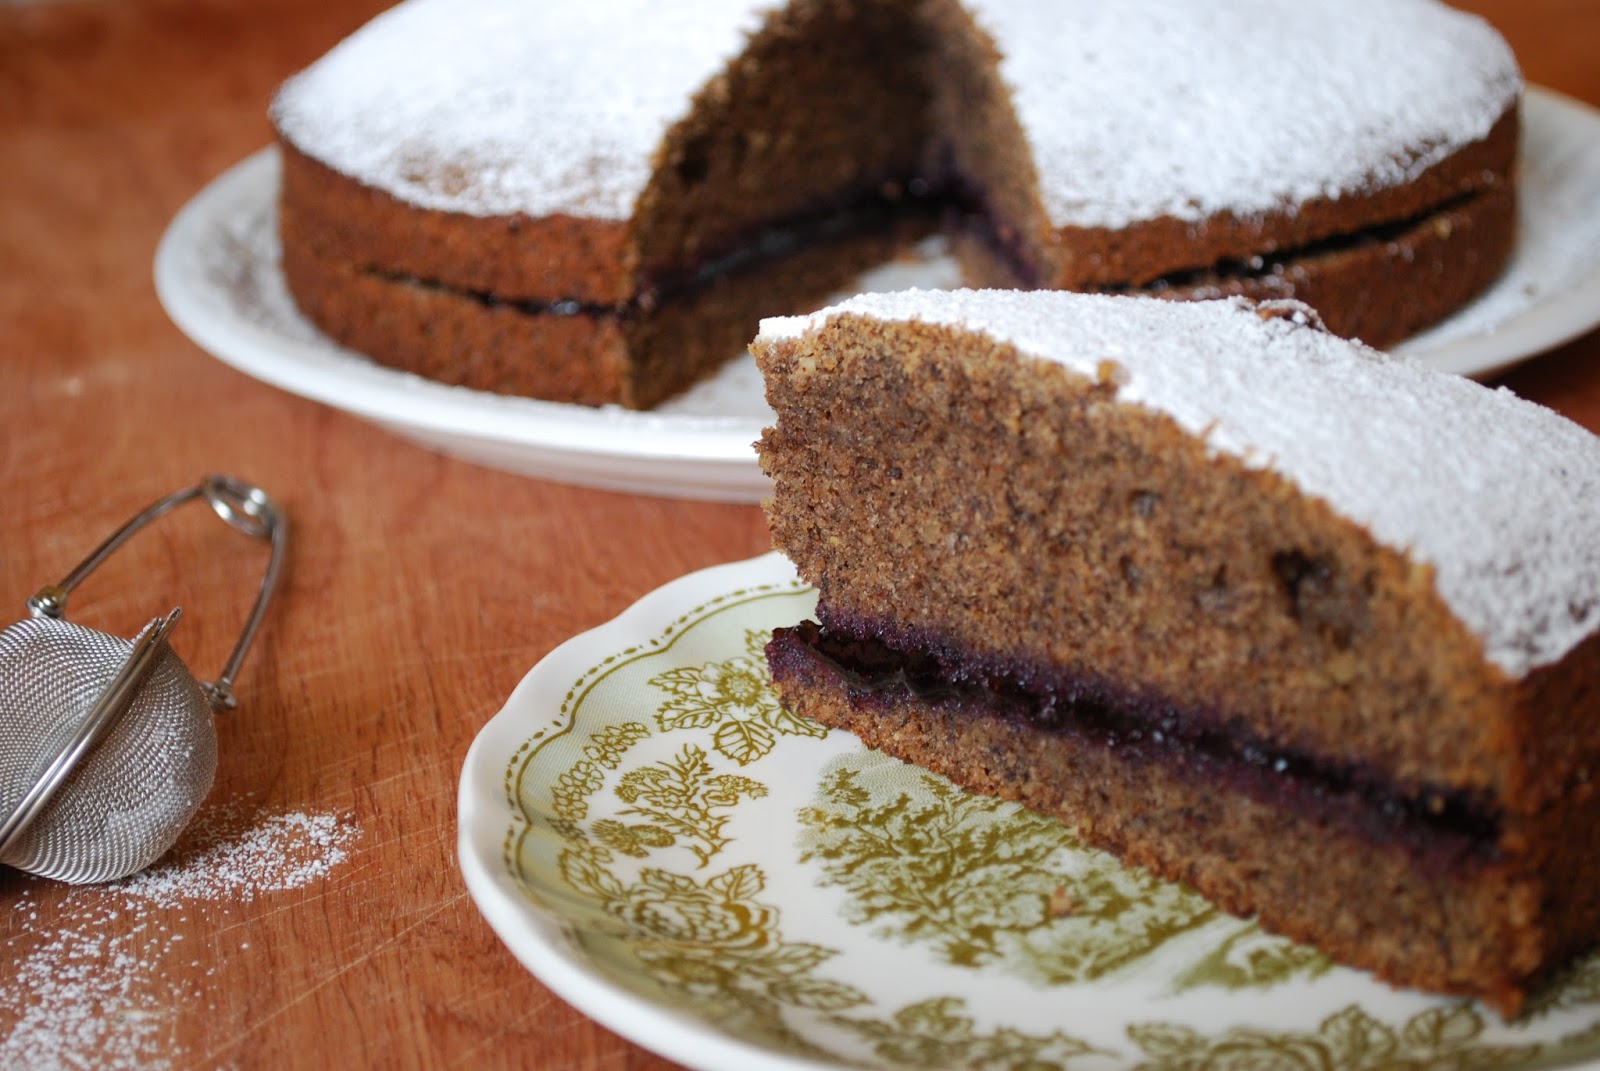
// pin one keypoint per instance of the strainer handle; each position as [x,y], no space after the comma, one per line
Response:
[246,508]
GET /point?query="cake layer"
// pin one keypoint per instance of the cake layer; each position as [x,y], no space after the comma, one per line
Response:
[1248,392]
[1380,285]
[1421,907]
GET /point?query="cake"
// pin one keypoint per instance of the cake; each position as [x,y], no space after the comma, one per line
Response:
[596,202]
[1311,628]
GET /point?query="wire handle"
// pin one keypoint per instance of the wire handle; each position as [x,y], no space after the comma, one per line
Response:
[246,508]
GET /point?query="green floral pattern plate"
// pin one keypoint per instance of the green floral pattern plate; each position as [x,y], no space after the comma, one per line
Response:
[740,890]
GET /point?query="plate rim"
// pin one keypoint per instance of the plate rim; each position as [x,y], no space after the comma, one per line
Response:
[535,939]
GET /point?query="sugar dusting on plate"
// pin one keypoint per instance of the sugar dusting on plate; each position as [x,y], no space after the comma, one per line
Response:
[90,992]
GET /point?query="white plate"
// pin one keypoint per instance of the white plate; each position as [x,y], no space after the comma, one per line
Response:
[737,890]
[217,274]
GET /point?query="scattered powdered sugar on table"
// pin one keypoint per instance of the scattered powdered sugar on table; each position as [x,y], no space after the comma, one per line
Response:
[90,993]
[280,852]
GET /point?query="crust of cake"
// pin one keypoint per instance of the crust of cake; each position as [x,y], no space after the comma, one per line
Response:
[518,258]
[1494,928]
[1384,289]
[833,101]
[1131,257]
[451,337]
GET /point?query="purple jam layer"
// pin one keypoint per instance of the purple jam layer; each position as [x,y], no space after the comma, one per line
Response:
[1280,263]
[1440,827]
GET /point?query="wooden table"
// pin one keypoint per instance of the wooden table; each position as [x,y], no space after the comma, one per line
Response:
[420,588]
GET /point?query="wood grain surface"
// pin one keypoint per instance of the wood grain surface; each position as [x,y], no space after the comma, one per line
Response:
[419,590]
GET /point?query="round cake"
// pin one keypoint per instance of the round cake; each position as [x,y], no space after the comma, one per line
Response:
[596,204]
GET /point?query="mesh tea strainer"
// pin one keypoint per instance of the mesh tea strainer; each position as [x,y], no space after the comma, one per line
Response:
[107,746]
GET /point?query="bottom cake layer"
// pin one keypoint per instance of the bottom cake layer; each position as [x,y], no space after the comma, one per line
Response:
[1417,909]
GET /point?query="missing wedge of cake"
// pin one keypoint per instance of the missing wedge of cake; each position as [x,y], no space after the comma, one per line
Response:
[1313,629]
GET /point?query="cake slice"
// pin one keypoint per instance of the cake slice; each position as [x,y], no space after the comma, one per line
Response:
[1310,628]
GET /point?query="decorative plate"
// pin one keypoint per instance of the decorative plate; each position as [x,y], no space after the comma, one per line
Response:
[217,274]
[739,890]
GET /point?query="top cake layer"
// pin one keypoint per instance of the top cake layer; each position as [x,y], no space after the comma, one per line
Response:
[1499,495]
[1135,110]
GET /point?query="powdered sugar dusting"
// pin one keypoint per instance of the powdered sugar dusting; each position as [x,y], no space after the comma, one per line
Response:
[1500,495]
[1184,109]
[519,107]
[90,992]
[1135,109]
